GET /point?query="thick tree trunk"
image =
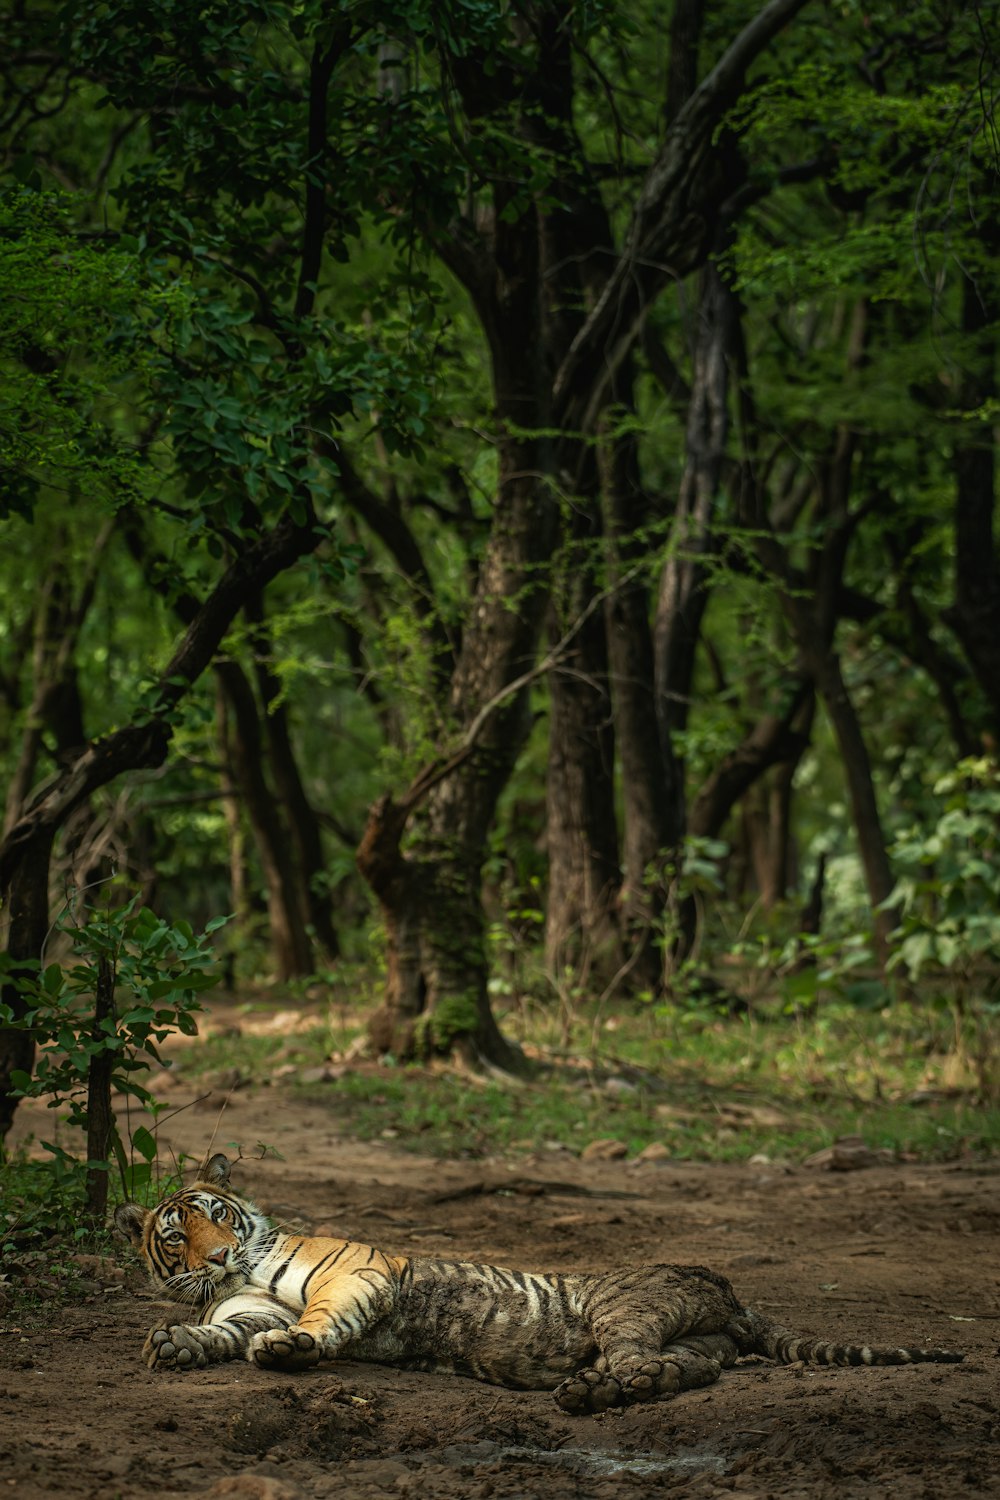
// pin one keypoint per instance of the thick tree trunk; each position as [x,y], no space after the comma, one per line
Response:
[429,892]
[436,1000]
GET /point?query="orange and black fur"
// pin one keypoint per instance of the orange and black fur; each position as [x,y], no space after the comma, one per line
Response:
[287,1302]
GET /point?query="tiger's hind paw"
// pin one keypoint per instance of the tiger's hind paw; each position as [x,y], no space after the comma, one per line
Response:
[588,1391]
[645,1379]
[173,1349]
[284,1349]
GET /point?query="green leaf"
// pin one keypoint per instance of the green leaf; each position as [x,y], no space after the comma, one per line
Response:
[52,979]
[144,1143]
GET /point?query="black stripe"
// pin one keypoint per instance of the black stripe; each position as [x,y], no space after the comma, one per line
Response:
[328,1260]
[279,1273]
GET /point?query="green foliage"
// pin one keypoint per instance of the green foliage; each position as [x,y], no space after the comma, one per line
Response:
[40,1199]
[948,892]
[77,324]
[159,972]
[42,1231]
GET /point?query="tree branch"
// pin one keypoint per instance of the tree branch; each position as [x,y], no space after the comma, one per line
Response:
[672,227]
[144,742]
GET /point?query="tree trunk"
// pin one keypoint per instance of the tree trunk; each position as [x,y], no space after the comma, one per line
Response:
[684,582]
[100,1116]
[27,928]
[861,791]
[239,875]
[975,614]
[285,890]
[766,827]
[648,782]
[55,699]
[303,824]
[435,1001]
[581,930]
[684,585]
[436,993]
[812,602]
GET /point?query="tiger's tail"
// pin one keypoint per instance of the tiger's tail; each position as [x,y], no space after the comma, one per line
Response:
[787,1348]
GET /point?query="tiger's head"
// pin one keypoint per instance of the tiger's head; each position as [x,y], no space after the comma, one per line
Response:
[200,1243]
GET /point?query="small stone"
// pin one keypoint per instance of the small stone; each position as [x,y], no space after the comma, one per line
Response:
[768,1170]
[847,1155]
[655,1151]
[321,1074]
[606,1149]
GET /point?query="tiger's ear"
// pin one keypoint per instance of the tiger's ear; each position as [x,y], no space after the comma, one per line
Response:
[216,1170]
[130,1220]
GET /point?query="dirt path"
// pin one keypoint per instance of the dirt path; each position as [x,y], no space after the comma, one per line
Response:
[889,1254]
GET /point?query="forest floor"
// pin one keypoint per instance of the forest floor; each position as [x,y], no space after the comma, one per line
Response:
[891,1253]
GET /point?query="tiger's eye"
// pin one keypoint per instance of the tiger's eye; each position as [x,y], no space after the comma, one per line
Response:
[220,1213]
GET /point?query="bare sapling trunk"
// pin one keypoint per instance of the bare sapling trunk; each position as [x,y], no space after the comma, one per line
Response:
[100,1116]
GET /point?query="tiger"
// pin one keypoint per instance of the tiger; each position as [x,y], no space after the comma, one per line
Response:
[285,1302]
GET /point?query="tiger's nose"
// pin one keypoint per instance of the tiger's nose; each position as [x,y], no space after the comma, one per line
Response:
[217,1257]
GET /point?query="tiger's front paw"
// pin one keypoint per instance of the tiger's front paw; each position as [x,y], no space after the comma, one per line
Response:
[284,1349]
[173,1349]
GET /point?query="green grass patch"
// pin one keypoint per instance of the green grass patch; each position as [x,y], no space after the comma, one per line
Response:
[443,1114]
[916,1080]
